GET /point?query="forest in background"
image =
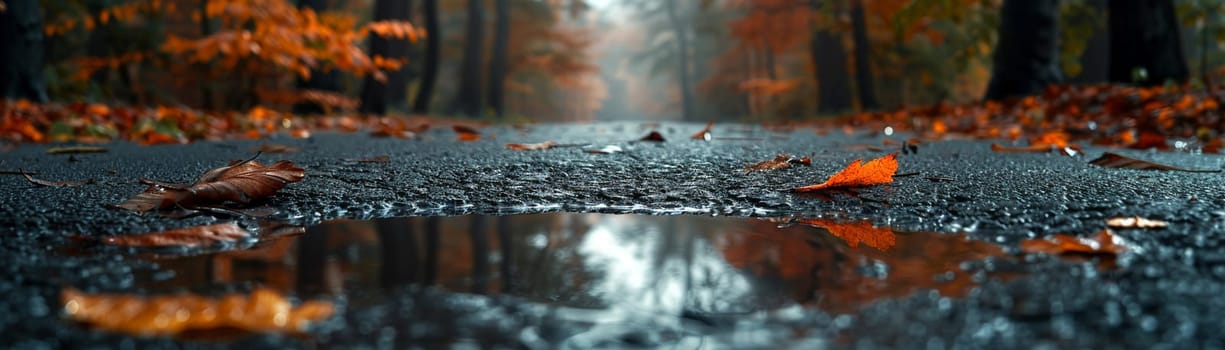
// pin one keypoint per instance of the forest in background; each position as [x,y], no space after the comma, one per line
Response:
[561,60]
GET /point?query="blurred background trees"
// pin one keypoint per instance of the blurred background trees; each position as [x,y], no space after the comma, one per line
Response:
[554,60]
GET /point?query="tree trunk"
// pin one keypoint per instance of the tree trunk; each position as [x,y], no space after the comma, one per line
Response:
[1144,38]
[21,51]
[1094,62]
[468,100]
[378,96]
[682,48]
[433,40]
[863,65]
[829,60]
[497,64]
[206,29]
[321,80]
[1026,59]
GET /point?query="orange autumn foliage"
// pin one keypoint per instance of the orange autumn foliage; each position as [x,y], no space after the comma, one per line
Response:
[280,34]
[878,171]
[264,310]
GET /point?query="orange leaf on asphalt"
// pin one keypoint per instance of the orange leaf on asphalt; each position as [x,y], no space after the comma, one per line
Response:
[654,136]
[1104,243]
[186,237]
[881,238]
[531,146]
[878,171]
[240,182]
[264,310]
[705,133]
[466,133]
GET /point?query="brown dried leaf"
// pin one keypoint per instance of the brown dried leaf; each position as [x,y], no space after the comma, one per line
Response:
[781,161]
[1114,160]
[378,159]
[531,146]
[275,148]
[654,136]
[197,236]
[264,310]
[77,149]
[1135,222]
[41,182]
[240,182]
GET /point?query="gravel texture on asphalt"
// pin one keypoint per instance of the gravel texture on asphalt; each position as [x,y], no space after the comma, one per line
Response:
[1165,293]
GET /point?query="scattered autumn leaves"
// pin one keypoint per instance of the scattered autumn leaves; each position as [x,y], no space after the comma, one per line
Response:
[878,171]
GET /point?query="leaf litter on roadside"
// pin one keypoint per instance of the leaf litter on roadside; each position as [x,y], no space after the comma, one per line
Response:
[261,310]
[241,182]
[878,171]
[1115,160]
[466,133]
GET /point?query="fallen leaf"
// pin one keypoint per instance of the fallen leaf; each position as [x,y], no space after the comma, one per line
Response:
[378,159]
[878,171]
[264,310]
[1135,222]
[654,136]
[1104,243]
[1069,150]
[705,133]
[531,146]
[466,133]
[197,236]
[1113,160]
[610,149]
[77,149]
[781,161]
[240,182]
[41,182]
[275,148]
[881,238]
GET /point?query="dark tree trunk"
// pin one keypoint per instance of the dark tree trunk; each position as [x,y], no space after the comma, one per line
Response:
[1026,59]
[480,255]
[829,59]
[1095,61]
[21,51]
[321,80]
[206,29]
[433,40]
[468,100]
[378,96]
[1144,35]
[863,65]
[312,262]
[682,49]
[497,63]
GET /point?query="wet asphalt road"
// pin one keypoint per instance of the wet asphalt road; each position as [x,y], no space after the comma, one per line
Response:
[1166,293]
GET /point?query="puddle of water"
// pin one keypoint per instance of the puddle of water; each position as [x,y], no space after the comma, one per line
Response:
[658,265]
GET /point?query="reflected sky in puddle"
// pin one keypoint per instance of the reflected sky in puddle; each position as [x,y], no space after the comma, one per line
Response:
[630,264]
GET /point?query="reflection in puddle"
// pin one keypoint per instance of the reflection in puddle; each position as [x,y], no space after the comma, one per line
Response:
[628,264]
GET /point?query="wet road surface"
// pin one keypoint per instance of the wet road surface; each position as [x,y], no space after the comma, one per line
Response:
[650,281]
